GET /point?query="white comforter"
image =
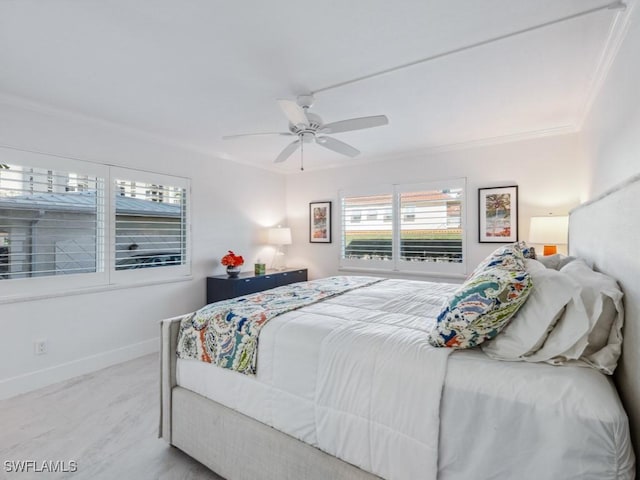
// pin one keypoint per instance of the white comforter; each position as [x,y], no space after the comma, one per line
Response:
[353,375]
[369,391]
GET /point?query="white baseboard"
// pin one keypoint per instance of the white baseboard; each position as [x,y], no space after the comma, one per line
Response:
[27,382]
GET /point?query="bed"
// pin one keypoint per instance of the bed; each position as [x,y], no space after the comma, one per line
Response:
[315,411]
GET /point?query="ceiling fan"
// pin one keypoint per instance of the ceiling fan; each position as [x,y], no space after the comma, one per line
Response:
[308,127]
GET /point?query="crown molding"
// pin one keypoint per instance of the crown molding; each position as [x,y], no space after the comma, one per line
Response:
[500,139]
[615,38]
[137,133]
[48,109]
[448,147]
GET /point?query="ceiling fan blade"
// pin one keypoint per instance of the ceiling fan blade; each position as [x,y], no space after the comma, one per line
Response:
[227,137]
[287,152]
[337,146]
[355,124]
[294,112]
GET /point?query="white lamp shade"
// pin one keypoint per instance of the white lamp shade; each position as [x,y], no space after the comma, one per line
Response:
[549,230]
[279,236]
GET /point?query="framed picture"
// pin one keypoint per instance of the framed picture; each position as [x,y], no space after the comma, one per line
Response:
[320,222]
[498,214]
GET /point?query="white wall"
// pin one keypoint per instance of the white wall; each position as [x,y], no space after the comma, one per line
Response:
[611,132]
[230,204]
[549,172]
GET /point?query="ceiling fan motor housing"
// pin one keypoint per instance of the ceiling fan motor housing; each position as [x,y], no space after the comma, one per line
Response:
[315,123]
[307,137]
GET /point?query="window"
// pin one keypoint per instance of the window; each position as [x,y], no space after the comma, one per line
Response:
[56,222]
[4,255]
[150,225]
[50,181]
[48,230]
[367,238]
[408,212]
[149,236]
[421,228]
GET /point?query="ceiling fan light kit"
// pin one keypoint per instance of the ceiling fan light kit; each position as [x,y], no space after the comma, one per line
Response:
[309,128]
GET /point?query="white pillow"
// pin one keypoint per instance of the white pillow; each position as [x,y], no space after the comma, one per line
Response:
[602,299]
[530,327]
[533,265]
[568,339]
[556,261]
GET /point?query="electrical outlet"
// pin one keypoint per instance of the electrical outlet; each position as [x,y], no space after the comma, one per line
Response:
[40,347]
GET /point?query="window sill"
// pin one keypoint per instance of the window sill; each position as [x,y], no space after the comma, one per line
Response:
[405,273]
[89,290]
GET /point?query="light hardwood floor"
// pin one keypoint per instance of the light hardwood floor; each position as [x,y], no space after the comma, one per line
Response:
[106,421]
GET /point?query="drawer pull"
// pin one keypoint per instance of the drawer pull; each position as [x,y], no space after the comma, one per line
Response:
[247,279]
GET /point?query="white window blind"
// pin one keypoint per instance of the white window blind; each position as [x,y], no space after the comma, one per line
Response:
[150,229]
[67,224]
[410,227]
[365,234]
[431,226]
[51,222]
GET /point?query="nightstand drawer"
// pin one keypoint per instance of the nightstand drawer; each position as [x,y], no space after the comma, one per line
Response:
[292,276]
[245,286]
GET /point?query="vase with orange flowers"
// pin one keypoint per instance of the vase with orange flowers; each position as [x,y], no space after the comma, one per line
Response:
[233,263]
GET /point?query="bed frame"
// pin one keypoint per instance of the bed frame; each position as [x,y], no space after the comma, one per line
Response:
[231,444]
[605,231]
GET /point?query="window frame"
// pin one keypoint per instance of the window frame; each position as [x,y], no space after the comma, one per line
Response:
[106,275]
[397,265]
[166,272]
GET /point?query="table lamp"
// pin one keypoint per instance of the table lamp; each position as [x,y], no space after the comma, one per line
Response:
[279,237]
[549,231]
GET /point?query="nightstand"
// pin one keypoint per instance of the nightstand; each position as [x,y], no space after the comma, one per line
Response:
[223,287]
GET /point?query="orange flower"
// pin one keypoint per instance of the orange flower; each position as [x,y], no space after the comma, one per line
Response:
[232,260]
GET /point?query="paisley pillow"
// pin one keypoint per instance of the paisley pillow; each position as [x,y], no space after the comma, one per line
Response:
[527,251]
[510,257]
[485,303]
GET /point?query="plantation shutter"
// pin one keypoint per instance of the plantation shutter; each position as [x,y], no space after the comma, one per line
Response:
[406,228]
[150,223]
[51,221]
[67,225]
[430,226]
[367,227]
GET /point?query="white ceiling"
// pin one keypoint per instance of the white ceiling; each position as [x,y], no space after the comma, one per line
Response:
[191,71]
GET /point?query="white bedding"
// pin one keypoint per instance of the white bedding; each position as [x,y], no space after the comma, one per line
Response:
[377,403]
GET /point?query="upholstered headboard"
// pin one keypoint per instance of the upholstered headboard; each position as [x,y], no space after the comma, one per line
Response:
[606,231]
